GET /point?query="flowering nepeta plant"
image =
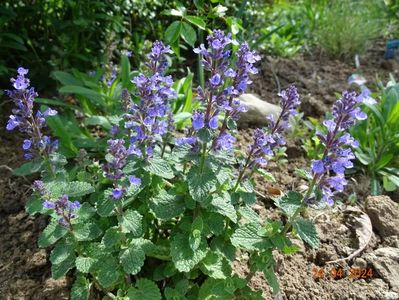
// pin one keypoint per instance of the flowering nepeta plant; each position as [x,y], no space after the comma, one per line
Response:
[154,217]
[26,121]
[329,171]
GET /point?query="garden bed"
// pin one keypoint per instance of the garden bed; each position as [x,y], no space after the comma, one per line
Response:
[25,269]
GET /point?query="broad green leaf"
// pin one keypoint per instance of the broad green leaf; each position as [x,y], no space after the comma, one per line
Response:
[272,279]
[159,167]
[248,236]
[195,236]
[131,221]
[74,89]
[72,189]
[215,223]
[267,175]
[85,212]
[34,205]
[289,203]
[112,237]
[144,289]
[224,207]
[200,184]
[105,206]
[52,233]
[215,266]
[125,71]
[66,78]
[109,272]
[249,214]
[86,231]
[80,288]
[188,34]
[183,256]
[84,264]
[303,174]
[197,21]
[98,120]
[173,31]
[62,259]
[167,205]
[132,259]
[214,289]
[28,168]
[307,231]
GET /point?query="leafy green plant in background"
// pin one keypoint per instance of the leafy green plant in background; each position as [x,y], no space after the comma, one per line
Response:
[348,27]
[378,137]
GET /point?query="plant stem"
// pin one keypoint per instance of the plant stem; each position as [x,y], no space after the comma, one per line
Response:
[203,156]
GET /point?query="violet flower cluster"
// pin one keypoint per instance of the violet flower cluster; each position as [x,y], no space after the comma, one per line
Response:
[265,142]
[329,171]
[117,159]
[26,121]
[226,83]
[64,208]
[149,120]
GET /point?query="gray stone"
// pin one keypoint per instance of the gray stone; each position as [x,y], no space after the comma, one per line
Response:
[385,262]
[258,110]
[384,215]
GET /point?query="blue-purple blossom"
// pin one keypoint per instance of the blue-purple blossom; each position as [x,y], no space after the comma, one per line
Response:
[329,171]
[64,208]
[134,180]
[117,193]
[266,141]
[198,120]
[24,118]
[227,81]
[225,142]
[118,155]
[149,120]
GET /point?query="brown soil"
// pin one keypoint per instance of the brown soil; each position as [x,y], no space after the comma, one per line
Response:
[318,77]
[25,269]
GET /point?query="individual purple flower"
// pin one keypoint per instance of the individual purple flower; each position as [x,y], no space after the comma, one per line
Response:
[117,193]
[185,141]
[134,180]
[64,208]
[213,123]
[198,120]
[226,142]
[24,118]
[328,172]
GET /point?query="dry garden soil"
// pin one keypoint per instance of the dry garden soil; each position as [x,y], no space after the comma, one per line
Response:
[372,225]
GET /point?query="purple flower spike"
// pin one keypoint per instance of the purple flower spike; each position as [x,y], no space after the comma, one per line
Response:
[147,121]
[328,173]
[26,121]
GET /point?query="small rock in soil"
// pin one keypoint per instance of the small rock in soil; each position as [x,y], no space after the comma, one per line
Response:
[258,110]
[384,215]
[385,262]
